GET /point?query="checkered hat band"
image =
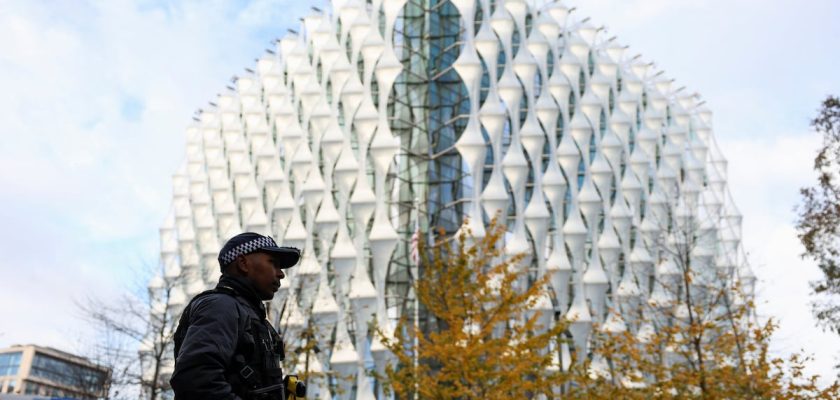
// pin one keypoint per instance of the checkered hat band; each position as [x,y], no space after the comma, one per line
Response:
[247,248]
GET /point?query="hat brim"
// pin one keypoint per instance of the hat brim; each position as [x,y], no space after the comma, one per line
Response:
[285,257]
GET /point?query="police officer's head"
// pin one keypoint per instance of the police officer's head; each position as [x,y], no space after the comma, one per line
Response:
[258,259]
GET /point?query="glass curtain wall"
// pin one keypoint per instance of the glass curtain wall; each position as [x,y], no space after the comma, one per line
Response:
[429,107]
[9,363]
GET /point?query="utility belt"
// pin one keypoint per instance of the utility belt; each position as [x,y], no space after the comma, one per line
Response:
[253,386]
[290,389]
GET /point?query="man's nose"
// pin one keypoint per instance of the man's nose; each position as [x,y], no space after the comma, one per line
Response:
[280,274]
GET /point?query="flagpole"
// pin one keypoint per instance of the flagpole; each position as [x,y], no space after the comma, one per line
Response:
[415,261]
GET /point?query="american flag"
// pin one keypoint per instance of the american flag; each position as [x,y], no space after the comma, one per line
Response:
[414,245]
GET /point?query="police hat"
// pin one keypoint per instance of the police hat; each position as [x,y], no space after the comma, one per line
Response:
[249,242]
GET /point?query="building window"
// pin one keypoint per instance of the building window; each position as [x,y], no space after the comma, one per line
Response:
[66,373]
[9,363]
[619,82]
[581,82]
[31,388]
[572,104]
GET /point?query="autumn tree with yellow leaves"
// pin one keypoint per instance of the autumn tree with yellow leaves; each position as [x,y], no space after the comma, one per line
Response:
[664,362]
[481,339]
[696,336]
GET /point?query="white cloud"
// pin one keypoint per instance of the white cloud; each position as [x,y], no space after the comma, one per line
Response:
[767,173]
[85,183]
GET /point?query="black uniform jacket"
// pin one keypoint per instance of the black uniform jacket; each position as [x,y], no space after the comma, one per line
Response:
[205,356]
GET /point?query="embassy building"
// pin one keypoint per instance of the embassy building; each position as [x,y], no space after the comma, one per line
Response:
[380,120]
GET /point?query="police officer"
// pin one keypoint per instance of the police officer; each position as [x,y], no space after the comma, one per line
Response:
[224,346]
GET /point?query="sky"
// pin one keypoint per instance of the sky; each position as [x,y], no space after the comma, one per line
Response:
[96,97]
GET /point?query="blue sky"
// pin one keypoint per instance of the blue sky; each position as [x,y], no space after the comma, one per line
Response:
[96,96]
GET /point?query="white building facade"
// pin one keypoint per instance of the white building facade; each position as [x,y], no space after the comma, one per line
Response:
[382,118]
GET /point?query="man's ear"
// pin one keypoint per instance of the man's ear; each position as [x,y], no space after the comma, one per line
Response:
[242,264]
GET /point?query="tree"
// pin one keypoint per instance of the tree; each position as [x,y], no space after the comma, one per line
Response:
[819,216]
[136,334]
[657,366]
[482,341]
[696,335]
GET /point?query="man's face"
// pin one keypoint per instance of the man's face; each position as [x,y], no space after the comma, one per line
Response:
[262,270]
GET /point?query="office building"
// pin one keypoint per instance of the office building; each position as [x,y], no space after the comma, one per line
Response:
[44,371]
